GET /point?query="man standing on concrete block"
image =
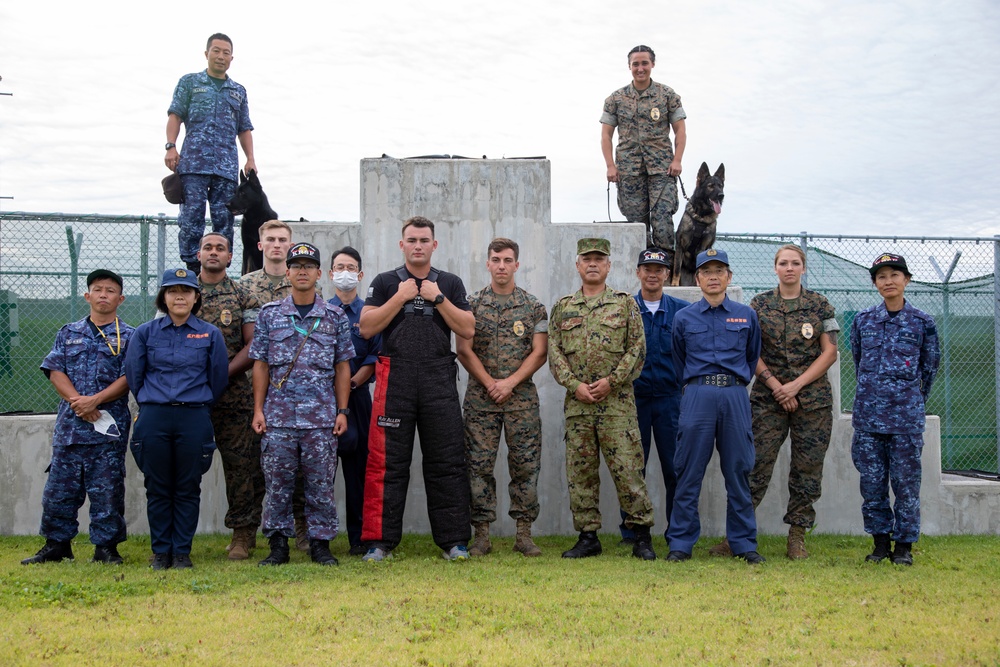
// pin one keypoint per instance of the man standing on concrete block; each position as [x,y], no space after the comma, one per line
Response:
[232,308]
[657,392]
[597,348]
[510,344]
[416,307]
[716,345]
[213,109]
[87,369]
[647,164]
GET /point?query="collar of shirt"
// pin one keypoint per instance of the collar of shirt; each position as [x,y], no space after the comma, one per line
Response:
[579,298]
[287,307]
[165,322]
[704,305]
[639,299]
[490,298]
[205,79]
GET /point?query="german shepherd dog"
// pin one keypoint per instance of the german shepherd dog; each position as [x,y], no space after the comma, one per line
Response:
[697,229]
[251,202]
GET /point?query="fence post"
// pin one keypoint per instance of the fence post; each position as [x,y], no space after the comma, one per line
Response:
[804,244]
[144,265]
[996,333]
[74,269]
[161,245]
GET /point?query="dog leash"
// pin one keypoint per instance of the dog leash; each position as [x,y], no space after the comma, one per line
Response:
[683,192]
[609,201]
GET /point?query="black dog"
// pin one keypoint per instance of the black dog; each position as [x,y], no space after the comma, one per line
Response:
[697,229]
[251,202]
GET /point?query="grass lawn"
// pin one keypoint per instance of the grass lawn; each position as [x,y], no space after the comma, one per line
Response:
[504,609]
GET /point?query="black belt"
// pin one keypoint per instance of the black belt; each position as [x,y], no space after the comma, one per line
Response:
[188,405]
[719,380]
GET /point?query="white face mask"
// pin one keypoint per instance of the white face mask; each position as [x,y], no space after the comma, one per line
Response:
[345,281]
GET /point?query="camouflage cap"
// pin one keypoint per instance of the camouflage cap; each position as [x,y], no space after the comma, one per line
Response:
[888,259]
[711,255]
[180,277]
[653,256]
[603,246]
[301,251]
[173,189]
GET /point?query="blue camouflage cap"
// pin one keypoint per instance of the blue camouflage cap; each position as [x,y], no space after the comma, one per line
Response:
[180,277]
[711,255]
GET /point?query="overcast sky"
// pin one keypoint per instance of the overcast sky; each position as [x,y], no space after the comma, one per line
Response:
[840,117]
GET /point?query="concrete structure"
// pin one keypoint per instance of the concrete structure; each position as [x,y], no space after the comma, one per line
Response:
[470,202]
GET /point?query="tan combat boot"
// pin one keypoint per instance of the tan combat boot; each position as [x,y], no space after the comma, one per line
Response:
[523,542]
[721,549]
[797,543]
[301,534]
[239,548]
[481,542]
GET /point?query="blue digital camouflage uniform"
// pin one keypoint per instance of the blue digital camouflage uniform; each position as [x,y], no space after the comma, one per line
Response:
[592,338]
[209,167]
[895,358]
[646,192]
[229,305]
[86,463]
[505,331]
[300,411]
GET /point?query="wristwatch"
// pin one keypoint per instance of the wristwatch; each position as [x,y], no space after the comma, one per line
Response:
[344,411]
[169,145]
[439,299]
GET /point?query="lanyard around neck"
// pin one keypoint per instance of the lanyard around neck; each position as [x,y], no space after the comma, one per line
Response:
[118,333]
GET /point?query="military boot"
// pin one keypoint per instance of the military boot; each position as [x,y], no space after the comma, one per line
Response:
[107,553]
[797,543]
[721,549]
[523,542]
[588,545]
[319,551]
[882,550]
[279,551]
[481,542]
[643,547]
[52,552]
[301,534]
[239,548]
[902,555]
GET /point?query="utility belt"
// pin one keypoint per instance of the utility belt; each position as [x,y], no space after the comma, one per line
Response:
[719,380]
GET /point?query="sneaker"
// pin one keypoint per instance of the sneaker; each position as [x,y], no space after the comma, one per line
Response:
[751,557]
[376,555]
[182,562]
[457,552]
[161,562]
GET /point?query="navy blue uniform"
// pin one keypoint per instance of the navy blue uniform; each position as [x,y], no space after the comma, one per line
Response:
[715,352]
[86,463]
[896,357]
[353,445]
[176,374]
[658,394]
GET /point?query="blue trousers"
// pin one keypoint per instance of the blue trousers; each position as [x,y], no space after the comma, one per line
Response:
[719,416]
[79,471]
[199,188]
[170,444]
[284,452]
[658,422]
[882,459]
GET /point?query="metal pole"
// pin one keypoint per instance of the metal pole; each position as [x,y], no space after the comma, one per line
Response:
[161,245]
[74,270]
[944,336]
[804,244]
[996,332]
[144,266]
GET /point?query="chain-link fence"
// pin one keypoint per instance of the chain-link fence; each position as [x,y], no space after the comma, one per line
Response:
[45,258]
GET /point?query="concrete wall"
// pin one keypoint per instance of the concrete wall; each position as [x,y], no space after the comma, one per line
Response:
[472,201]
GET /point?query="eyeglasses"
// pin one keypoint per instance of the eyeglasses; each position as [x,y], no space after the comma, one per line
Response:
[353,268]
[295,266]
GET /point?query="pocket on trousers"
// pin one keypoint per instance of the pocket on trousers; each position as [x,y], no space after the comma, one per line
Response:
[207,454]
[136,448]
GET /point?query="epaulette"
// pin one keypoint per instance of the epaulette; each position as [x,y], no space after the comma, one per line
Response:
[270,304]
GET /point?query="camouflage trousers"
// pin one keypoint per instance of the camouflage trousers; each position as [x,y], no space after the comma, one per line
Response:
[652,200]
[284,451]
[240,452]
[78,472]
[884,458]
[810,435]
[523,432]
[199,188]
[617,438]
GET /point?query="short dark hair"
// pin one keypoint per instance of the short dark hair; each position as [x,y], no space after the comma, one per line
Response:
[219,234]
[161,302]
[218,35]
[350,252]
[419,221]
[640,49]
[498,244]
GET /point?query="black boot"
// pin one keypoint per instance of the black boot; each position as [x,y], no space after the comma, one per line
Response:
[902,555]
[107,553]
[52,552]
[319,551]
[194,267]
[882,550]
[279,551]
[643,547]
[588,545]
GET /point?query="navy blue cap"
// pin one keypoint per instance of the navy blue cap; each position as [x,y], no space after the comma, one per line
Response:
[653,256]
[104,274]
[888,259]
[711,255]
[180,277]
[301,251]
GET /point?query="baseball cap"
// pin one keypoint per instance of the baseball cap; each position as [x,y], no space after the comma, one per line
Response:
[888,259]
[653,256]
[603,246]
[711,255]
[301,251]
[102,274]
[180,277]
